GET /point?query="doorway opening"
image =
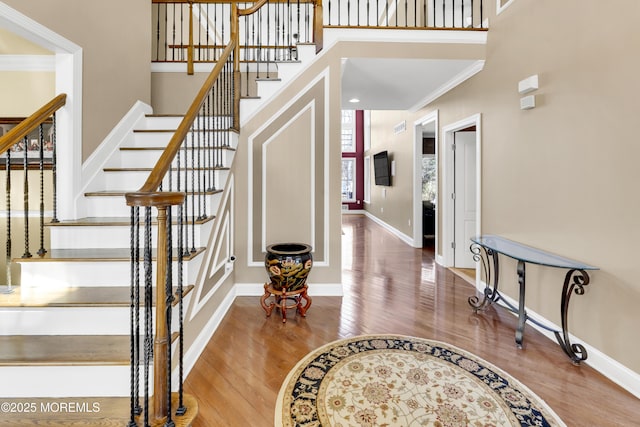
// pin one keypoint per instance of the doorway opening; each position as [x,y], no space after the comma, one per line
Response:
[461,191]
[425,195]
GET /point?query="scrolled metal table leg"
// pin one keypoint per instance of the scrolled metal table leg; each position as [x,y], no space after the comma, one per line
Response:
[574,281]
[491,273]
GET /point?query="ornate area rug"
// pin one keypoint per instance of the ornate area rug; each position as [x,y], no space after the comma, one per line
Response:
[390,380]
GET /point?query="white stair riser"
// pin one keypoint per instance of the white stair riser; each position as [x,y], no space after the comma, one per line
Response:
[151,139]
[160,122]
[73,320]
[149,158]
[99,273]
[65,321]
[133,180]
[306,52]
[50,382]
[64,381]
[74,237]
[267,88]
[248,107]
[115,206]
[286,70]
[172,122]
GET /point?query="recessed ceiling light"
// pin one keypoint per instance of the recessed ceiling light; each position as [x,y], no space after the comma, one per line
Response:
[354,100]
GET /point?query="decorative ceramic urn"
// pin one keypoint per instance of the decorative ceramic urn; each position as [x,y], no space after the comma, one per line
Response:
[288,265]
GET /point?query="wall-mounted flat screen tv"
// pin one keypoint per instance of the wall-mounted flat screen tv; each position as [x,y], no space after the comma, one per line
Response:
[382,168]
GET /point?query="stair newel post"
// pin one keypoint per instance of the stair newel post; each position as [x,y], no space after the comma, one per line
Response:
[162,334]
[318,24]
[156,347]
[190,47]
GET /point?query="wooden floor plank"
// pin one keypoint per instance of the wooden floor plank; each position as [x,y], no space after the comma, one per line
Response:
[389,287]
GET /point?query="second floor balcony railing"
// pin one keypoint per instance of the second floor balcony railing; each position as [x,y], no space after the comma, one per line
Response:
[196,31]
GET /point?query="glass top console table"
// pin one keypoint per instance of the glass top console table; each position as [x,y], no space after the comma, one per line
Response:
[487,249]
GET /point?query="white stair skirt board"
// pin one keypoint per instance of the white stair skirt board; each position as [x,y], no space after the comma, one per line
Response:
[119,179]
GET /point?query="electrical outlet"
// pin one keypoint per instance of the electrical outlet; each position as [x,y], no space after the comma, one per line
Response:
[381,210]
[409,223]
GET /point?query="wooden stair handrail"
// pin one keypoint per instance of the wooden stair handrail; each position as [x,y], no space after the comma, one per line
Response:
[23,128]
[146,195]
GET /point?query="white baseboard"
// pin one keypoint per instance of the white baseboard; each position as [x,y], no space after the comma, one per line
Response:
[610,368]
[407,239]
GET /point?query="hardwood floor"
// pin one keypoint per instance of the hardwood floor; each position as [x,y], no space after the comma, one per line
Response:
[389,287]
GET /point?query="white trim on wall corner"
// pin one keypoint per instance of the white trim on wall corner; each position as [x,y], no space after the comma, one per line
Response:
[465,74]
[501,7]
[27,63]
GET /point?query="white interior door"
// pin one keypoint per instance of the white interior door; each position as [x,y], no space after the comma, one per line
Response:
[465,197]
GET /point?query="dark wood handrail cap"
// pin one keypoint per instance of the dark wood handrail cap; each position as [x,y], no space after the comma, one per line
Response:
[158,198]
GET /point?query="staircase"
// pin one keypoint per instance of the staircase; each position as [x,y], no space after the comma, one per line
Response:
[64,332]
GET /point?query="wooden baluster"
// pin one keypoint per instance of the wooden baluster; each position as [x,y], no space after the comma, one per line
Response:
[318,25]
[190,48]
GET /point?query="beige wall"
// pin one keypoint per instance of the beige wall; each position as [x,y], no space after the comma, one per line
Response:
[394,204]
[27,90]
[116,41]
[12,44]
[563,176]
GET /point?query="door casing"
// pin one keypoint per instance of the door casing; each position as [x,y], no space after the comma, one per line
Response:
[446,208]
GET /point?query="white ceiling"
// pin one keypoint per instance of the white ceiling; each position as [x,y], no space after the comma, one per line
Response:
[399,84]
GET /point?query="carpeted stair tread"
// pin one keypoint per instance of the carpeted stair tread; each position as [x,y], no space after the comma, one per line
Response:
[88,296]
[68,350]
[93,254]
